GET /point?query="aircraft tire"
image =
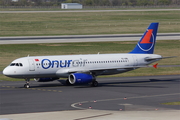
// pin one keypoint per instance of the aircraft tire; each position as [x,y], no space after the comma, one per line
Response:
[26,86]
[94,84]
[68,83]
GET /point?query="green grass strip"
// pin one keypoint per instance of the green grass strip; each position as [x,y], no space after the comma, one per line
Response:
[86,23]
[172,103]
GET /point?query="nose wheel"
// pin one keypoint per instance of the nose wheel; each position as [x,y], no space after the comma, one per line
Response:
[26,86]
[27,83]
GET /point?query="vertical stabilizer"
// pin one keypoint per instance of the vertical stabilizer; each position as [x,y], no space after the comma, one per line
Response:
[147,42]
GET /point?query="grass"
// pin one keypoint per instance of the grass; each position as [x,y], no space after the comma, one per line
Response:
[77,23]
[164,48]
[172,103]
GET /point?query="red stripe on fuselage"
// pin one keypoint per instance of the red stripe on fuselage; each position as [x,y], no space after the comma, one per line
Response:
[36,59]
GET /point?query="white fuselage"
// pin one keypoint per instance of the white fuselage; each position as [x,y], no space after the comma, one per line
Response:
[62,66]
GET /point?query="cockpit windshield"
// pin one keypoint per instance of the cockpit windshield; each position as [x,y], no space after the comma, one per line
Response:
[16,64]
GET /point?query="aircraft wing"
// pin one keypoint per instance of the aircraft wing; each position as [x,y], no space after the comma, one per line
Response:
[103,69]
[95,70]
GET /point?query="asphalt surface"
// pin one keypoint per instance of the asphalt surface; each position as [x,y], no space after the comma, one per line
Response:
[83,38]
[115,94]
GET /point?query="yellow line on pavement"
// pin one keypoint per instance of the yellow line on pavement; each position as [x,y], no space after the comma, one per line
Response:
[12,87]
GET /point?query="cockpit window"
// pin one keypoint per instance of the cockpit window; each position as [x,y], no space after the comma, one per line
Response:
[16,64]
[12,64]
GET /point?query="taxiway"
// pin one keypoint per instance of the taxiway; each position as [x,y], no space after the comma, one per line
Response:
[83,38]
[127,94]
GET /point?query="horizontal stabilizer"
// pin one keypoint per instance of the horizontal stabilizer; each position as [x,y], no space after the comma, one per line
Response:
[149,59]
[168,57]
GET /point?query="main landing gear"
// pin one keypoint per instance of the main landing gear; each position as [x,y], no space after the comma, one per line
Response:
[68,83]
[94,83]
[27,83]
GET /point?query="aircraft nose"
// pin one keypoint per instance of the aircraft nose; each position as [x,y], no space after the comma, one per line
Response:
[10,72]
[6,71]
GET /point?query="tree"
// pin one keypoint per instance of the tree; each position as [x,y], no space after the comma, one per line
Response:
[144,2]
[6,2]
[23,2]
[88,2]
[164,2]
[116,2]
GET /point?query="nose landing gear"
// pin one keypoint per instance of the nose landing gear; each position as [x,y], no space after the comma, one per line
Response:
[27,83]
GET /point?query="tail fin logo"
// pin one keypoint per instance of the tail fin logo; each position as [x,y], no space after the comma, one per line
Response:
[147,41]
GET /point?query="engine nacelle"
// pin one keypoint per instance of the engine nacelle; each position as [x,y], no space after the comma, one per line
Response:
[80,78]
[45,79]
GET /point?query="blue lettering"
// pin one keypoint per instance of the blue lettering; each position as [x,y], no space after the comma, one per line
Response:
[69,62]
[55,62]
[63,64]
[46,65]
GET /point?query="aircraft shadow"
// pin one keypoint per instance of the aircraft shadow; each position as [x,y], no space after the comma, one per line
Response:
[138,83]
[62,83]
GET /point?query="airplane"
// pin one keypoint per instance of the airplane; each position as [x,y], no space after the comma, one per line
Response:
[83,69]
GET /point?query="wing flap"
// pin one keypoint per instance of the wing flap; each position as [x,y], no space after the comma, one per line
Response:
[102,69]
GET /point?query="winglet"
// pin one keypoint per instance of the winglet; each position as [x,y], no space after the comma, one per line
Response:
[155,66]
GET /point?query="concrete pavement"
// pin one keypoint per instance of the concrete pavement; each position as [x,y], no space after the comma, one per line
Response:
[83,38]
[97,115]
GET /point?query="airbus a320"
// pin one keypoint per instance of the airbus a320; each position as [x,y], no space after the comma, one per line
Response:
[83,69]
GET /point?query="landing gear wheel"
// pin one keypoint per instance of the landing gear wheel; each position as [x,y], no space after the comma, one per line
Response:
[27,83]
[68,83]
[94,84]
[26,86]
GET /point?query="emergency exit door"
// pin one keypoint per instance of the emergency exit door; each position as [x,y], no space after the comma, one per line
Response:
[135,60]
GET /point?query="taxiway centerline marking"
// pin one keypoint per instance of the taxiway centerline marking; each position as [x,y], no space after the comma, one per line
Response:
[77,107]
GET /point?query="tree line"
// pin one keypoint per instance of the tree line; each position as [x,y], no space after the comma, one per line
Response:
[89,2]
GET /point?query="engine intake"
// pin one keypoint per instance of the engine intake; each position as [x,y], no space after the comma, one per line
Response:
[45,79]
[80,78]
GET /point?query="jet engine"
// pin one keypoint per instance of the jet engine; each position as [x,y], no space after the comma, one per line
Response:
[45,79]
[80,78]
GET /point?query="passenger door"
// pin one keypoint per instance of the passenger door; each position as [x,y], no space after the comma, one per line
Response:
[31,65]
